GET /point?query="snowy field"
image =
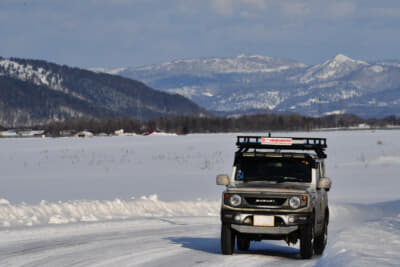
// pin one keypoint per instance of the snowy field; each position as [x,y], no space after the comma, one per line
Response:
[152,201]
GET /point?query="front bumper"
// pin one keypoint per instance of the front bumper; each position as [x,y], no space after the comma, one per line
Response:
[284,223]
[277,230]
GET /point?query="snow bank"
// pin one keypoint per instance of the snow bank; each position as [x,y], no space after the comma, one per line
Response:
[72,211]
[373,239]
[95,210]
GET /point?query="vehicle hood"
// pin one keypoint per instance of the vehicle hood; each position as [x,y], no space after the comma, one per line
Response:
[263,187]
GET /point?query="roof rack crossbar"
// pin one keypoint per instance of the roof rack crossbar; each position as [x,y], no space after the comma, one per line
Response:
[283,143]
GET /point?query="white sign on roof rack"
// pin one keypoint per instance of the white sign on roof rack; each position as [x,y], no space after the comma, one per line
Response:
[276,141]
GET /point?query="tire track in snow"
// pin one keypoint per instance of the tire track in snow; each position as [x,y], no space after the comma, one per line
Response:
[358,234]
[185,241]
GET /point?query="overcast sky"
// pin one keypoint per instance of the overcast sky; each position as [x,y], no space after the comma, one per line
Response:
[120,33]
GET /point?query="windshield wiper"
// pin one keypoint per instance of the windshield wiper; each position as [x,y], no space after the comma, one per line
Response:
[276,178]
[289,179]
[256,179]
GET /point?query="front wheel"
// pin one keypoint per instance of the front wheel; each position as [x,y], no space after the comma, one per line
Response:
[321,240]
[306,241]
[227,239]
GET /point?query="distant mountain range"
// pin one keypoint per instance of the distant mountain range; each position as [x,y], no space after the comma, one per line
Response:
[254,84]
[34,92]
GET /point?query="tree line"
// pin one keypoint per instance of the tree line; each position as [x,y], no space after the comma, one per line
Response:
[195,124]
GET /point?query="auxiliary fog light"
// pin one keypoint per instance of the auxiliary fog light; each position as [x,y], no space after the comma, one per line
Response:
[291,219]
[237,218]
[248,220]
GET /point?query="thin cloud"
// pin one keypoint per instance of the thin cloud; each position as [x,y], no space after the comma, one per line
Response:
[262,4]
[296,9]
[223,7]
[321,9]
[385,12]
[230,7]
[139,32]
[341,9]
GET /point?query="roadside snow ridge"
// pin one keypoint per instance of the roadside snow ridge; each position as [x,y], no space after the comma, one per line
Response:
[72,211]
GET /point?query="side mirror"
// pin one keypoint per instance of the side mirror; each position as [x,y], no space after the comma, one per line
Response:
[222,179]
[324,183]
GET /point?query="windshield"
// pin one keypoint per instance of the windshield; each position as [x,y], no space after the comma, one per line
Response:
[273,169]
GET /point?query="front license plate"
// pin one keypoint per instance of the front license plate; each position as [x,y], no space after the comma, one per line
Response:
[263,220]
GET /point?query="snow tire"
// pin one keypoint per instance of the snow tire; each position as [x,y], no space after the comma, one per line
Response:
[227,239]
[321,240]
[306,241]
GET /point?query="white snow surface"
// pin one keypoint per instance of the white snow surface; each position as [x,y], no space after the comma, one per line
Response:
[335,112]
[152,201]
[115,71]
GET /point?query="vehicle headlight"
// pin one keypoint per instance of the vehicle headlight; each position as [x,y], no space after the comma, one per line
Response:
[235,200]
[294,202]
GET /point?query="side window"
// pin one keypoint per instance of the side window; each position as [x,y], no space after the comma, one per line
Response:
[320,169]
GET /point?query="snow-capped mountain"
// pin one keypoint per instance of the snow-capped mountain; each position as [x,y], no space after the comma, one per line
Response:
[242,83]
[332,69]
[239,64]
[204,66]
[28,73]
[34,91]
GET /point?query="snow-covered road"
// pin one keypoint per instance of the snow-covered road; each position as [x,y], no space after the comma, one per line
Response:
[133,242]
[369,237]
[179,241]
[91,202]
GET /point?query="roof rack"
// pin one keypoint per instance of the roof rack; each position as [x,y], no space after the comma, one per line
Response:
[283,143]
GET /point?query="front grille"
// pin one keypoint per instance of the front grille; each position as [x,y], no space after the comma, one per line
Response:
[265,201]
